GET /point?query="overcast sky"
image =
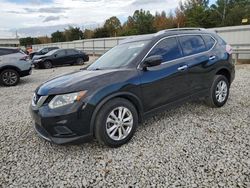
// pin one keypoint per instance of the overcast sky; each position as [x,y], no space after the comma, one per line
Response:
[42,17]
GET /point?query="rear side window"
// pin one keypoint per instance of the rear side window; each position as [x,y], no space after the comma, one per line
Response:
[209,41]
[72,52]
[45,50]
[168,48]
[192,45]
[61,53]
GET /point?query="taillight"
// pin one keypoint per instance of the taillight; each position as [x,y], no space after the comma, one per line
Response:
[229,49]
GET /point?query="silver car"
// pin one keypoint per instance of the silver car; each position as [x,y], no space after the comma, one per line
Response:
[13,64]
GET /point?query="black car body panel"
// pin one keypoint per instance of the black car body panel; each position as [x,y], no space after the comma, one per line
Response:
[60,57]
[150,90]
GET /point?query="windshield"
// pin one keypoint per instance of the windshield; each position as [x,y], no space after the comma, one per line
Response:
[119,56]
[51,52]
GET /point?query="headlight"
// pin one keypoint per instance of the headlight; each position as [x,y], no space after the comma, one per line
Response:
[37,60]
[62,100]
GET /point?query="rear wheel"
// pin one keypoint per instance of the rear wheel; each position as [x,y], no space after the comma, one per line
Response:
[116,122]
[79,61]
[47,65]
[9,77]
[219,92]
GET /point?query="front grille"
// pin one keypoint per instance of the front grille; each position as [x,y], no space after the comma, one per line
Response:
[38,100]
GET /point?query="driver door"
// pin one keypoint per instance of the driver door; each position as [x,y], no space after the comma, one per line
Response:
[60,57]
[167,82]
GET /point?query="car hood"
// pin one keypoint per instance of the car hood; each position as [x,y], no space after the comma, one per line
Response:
[38,57]
[83,80]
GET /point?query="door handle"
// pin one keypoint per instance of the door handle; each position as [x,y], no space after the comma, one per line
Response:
[212,57]
[182,68]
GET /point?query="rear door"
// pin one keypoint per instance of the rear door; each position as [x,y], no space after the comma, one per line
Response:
[72,55]
[167,82]
[196,57]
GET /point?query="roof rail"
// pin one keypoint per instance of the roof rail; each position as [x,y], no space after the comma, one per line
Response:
[180,29]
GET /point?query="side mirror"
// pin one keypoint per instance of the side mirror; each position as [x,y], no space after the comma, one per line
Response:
[152,61]
[55,55]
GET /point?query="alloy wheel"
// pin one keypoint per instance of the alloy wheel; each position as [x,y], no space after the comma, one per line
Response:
[80,61]
[119,123]
[47,65]
[9,78]
[221,91]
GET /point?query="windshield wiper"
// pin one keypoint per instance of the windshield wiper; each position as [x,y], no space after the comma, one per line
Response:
[97,69]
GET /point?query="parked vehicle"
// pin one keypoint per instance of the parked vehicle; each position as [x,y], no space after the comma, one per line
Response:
[14,64]
[42,51]
[130,82]
[60,57]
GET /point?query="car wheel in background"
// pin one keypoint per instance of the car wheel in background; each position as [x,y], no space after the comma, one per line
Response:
[36,66]
[116,122]
[9,77]
[47,65]
[219,92]
[79,61]
[86,58]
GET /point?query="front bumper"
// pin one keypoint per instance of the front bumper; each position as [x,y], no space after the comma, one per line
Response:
[26,72]
[60,140]
[62,126]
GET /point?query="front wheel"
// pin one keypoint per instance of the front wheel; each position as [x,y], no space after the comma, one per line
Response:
[9,77]
[47,65]
[116,122]
[219,92]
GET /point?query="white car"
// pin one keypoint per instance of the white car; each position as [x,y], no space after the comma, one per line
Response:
[14,64]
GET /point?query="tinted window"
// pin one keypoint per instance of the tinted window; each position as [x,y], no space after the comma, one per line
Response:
[209,41]
[168,48]
[192,45]
[72,52]
[45,50]
[53,48]
[61,53]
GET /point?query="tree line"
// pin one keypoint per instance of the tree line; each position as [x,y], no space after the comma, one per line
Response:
[191,13]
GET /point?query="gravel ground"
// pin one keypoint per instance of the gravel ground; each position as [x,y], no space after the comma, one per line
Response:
[190,146]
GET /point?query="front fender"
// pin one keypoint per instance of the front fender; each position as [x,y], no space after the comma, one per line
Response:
[132,97]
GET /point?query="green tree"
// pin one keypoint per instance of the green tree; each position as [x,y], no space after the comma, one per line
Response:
[28,41]
[88,34]
[101,33]
[113,26]
[73,33]
[58,36]
[160,21]
[140,23]
[230,12]
[197,13]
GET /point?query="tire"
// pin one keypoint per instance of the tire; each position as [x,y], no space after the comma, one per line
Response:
[79,61]
[218,97]
[122,133]
[9,77]
[36,66]
[47,65]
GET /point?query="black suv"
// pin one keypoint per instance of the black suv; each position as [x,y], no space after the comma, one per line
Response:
[132,81]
